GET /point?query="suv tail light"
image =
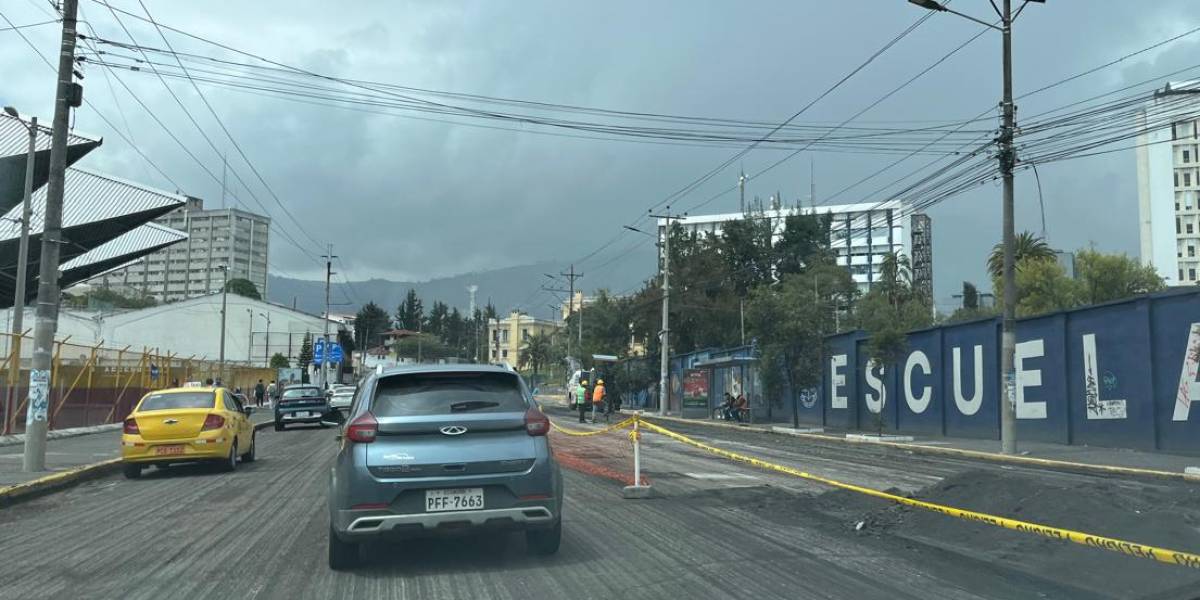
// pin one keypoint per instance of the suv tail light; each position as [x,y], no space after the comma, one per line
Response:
[363,429]
[131,427]
[536,422]
[212,422]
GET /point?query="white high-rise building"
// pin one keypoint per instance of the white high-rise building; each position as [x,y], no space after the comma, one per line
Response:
[1168,169]
[860,234]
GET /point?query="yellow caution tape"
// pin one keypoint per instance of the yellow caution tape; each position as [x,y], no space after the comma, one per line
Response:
[1172,557]
[581,433]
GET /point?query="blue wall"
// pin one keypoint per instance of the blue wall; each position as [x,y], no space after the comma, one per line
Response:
[1122,374]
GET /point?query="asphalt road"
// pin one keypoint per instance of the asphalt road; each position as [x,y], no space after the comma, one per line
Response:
[717,530]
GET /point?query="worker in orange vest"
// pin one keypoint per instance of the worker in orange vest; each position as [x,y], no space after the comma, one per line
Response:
[597,398]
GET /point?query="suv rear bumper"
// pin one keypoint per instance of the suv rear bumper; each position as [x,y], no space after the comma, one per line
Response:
[355,525]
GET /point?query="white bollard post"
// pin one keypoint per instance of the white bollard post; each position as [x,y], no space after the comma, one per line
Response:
[637,490]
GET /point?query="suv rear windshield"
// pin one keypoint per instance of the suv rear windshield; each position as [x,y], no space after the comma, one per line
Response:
[446,393]
[178,400]
[306,392]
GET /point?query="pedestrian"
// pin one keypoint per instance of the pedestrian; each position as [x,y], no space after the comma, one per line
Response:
[259,392]
[727,408]
[208,382]
[175,383]
[597,398]
[741,408]
[581,393]
[272,392]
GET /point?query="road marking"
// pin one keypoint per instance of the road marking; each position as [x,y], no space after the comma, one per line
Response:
[720,476]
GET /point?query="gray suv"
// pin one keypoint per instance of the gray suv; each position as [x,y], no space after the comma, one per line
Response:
[436,450]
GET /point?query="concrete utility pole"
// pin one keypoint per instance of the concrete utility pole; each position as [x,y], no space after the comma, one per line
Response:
[664,368]
[224,305]
[1008,158]
[471,289]
[18,318]
[250,337]
[571,276]
[742,192]
[67,94]
[325,357]
[267,344]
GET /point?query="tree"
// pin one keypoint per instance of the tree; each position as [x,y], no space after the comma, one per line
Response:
[790,321]
[1027,246]
[411,312]
[243,287]
[970,308]
[970,296]
[1108,277]
[279,361]
[306,352]
[345,339]
[1043,286]
[436,323]
[538,352]
[369,325]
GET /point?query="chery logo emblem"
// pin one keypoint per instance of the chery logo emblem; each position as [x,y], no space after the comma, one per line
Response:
[454,430]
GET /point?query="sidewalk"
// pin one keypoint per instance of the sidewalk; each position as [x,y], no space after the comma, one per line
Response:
[1038,453]
[66,454]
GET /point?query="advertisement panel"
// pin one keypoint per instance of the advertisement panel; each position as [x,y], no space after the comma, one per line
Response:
[695,389]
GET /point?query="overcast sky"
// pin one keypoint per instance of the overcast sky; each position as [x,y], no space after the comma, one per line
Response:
[412,199]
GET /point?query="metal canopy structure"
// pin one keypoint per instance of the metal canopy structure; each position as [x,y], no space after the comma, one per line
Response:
[99,210]
[14,148]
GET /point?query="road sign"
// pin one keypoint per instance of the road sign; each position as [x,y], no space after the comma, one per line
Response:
[318,351]
[153,372]
[335,353]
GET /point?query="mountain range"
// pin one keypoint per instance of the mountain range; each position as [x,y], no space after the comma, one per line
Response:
[506,288]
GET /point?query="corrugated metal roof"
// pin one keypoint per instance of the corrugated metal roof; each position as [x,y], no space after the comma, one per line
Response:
[134,244]
[14,136]
[92,197]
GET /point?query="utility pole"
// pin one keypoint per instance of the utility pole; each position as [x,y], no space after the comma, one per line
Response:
[224,305]
[267,344]
[18,318]
[471,289]
[742,192]
[250,338]
[665,344]
[325,358]
[571,276]
[67,94]
[1008,158]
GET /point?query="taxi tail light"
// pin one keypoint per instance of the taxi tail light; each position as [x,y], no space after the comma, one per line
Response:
[536,423]
[131,427]
[212,422]
[363,429]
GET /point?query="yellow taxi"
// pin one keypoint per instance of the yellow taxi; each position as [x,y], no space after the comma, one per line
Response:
[185,425]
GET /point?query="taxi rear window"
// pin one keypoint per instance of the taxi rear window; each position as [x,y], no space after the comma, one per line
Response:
[178,400]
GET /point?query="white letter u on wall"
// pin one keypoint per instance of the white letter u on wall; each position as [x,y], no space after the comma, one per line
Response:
[968,406]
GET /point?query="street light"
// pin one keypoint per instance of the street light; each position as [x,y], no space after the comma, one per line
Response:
[18,319]
[1008,157]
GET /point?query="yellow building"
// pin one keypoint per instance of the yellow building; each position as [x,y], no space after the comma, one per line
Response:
[509,336]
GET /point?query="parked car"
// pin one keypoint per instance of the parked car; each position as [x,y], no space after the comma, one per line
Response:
[340,396]
[435,449]
[185,425]
[301,404]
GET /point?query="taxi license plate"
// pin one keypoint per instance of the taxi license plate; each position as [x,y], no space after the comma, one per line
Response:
[168,450]
[457,499]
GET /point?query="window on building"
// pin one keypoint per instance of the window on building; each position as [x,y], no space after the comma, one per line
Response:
[1181,274]
[1190,228]
[1187,156]
[1191,251]
[504,353]
[1176,178]
[1177,228]
[1192,274]
[1187,180]
[524,334]
[504,336]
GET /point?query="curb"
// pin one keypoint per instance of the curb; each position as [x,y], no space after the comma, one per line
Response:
[63,479]
[17,439]
[961,453]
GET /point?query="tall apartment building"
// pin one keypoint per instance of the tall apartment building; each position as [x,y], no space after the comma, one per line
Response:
[226,236]
[1168,169]
[861,235]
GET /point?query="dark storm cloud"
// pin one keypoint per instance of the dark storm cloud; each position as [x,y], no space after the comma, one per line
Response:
[409,198]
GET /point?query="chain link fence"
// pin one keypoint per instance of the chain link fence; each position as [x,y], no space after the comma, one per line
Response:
[98,384]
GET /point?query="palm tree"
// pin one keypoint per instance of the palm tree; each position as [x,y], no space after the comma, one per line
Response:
[1027,246]
[538,352]
[895,275]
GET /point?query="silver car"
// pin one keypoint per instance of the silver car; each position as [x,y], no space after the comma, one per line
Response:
[443,449]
